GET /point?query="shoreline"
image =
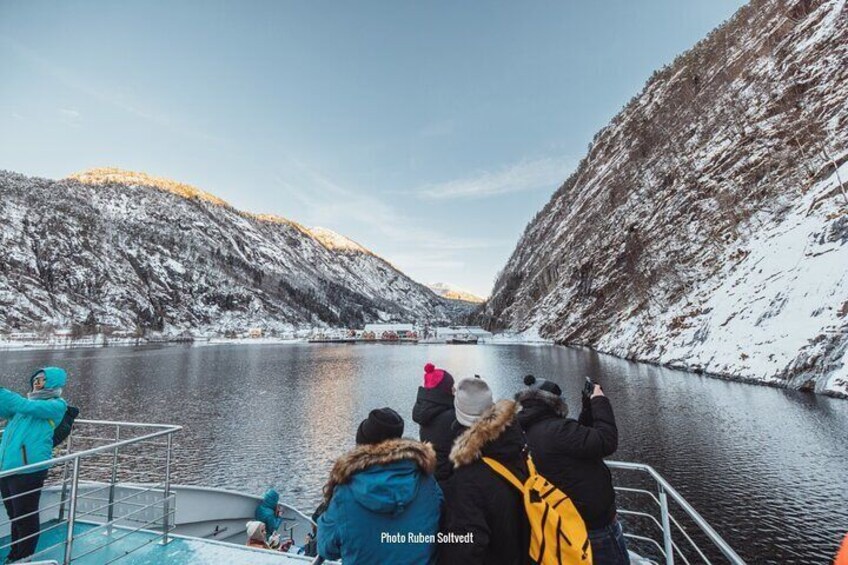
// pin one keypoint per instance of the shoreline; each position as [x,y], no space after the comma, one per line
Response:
[719,376]
[58,345]
[499,339]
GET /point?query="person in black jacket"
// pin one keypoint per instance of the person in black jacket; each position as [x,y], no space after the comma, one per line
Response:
[570,454]
[484,510]
[435,416]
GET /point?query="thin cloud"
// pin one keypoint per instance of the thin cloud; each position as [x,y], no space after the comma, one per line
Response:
[70,116]
[105,95]
[331,204]
[547,172]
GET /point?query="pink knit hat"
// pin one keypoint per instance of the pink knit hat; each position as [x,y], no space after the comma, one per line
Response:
[437,378]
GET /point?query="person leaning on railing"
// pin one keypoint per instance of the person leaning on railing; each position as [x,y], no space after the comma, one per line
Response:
[28,439]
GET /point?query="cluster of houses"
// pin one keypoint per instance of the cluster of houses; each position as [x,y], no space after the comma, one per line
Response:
[405,333]
[428,334]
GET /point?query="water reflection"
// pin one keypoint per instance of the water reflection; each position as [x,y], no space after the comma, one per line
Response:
[765,466]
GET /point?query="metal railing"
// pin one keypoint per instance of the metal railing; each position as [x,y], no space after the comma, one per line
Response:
[658,494]
[642,524]
[113,480]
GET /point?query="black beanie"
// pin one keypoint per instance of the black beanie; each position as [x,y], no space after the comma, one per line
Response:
[543,384]
[380,425]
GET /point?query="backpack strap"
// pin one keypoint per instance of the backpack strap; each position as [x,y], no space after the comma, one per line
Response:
[530,466]
[503,472]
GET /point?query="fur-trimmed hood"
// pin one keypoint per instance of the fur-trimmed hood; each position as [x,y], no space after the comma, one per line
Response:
[531,396]
[421,458]
[469,446]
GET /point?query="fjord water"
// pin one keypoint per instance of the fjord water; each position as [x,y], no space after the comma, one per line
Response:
[768,468]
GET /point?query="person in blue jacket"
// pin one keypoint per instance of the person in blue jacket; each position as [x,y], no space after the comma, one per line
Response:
[383,502]
[27,440]
[268,513]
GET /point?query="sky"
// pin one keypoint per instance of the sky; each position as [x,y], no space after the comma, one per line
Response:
[429,132]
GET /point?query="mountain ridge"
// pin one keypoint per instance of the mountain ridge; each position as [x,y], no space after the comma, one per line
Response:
[165,257]
[452,292]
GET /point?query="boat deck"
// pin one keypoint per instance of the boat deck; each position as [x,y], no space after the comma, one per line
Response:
[144,548]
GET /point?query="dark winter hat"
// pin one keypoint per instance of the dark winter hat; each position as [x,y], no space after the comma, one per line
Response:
[380,425]
[543,385]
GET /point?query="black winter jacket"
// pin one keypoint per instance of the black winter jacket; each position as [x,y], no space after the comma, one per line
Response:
[481,502]
[570,453]
[435,416]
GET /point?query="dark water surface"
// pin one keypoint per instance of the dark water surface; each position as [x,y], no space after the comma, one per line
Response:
[768,468]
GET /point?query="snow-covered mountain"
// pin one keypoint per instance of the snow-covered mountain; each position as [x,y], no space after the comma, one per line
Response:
[132,252]
[707,227]
[452,292]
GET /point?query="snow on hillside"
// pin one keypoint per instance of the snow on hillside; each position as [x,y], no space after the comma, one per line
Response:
[135,254]
[336,242]
[776,313]
[706,227]
[452,292]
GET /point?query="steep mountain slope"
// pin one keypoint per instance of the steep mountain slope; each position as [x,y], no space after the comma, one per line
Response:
[138,253]
[706,228]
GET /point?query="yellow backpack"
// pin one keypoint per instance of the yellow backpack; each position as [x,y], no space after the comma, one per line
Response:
[557,532]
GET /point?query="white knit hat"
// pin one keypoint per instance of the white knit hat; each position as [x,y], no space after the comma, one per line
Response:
[253,529]
[473,397]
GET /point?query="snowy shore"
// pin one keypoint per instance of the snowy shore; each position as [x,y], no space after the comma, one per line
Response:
[99,341]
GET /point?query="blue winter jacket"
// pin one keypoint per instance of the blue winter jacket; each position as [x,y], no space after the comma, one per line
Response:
[28,436]
[267,511]
[386,512]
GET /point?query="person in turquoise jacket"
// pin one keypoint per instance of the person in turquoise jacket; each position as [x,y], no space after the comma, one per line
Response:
[267,511]
[382,501]
[27,440]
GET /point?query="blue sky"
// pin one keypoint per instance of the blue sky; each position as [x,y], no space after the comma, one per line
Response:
[430,132]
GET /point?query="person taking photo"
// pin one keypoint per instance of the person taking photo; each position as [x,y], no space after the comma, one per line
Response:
[570,454]
[27,440]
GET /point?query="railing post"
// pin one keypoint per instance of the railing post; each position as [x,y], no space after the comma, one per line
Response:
[167,500]
[72,512]
[666,526]
[64,492]
[110,512]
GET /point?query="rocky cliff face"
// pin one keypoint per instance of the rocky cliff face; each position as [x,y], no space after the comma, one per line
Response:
[707,227]
[132,252]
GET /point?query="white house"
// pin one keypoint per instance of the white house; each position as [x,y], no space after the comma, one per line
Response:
[448,332]
[378,329]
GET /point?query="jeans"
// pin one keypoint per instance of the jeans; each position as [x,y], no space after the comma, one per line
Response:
[608,546]
[18,507]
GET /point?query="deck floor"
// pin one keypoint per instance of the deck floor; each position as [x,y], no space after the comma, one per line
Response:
[143,548]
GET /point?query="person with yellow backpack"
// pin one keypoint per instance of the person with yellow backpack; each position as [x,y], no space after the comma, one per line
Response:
[570,454]
[501,509]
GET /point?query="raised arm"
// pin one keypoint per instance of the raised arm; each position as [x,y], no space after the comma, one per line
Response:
[600,437]
[12,403]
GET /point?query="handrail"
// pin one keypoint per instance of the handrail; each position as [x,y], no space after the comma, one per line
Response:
[104,458]
[696,517]
[164,429]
